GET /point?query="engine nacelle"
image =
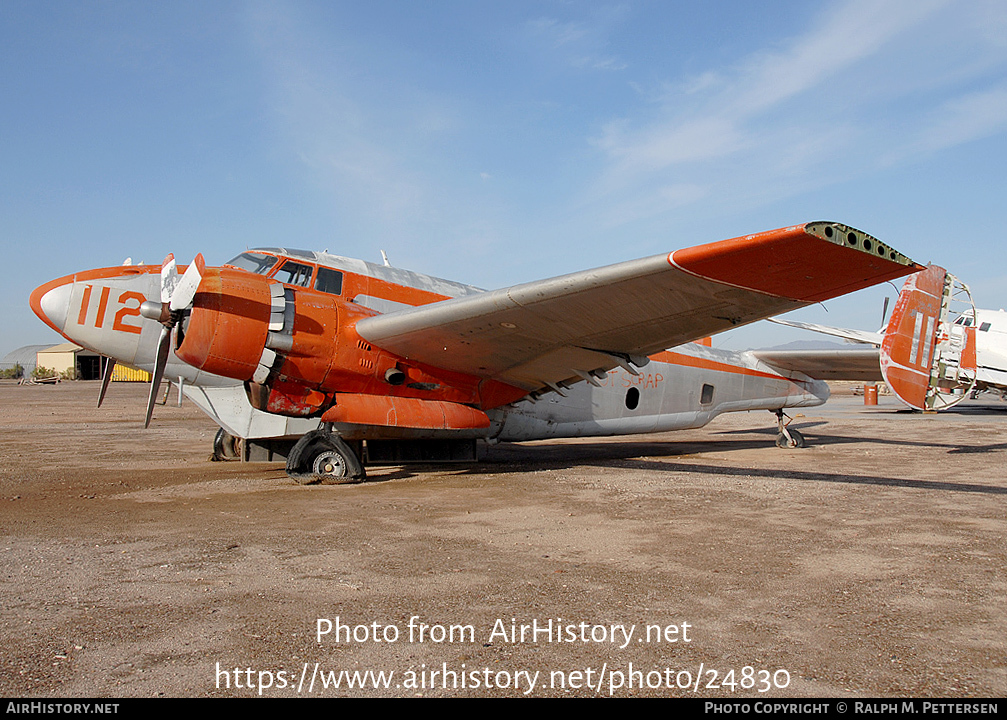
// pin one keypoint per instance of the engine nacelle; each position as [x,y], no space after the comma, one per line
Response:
[227,329]
[297,349]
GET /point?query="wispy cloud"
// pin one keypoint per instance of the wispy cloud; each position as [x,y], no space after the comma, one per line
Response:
[963,119]
[834,95]
[580,43]
[714,113]
[339,129]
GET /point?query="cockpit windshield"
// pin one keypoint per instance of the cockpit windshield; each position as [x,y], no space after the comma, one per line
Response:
[253,262]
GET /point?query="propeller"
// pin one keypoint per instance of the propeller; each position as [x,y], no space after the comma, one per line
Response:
[107,365]
[177,293]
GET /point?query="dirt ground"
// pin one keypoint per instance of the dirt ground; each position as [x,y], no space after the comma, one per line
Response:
[871,563]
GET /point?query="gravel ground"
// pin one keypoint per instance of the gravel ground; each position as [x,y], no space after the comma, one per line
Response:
[869,564]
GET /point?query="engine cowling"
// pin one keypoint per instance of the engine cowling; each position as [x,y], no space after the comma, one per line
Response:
[227,328]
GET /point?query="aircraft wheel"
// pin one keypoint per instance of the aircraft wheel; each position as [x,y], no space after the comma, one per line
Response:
[225,446]
[321,457]
[796,440]
[329,463]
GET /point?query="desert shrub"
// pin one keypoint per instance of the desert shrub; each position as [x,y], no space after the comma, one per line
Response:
[42,372]
[12,373]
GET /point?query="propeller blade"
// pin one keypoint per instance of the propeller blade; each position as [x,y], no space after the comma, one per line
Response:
[177,293]
[169,277]
[163,346]
[106,377]
[185,290]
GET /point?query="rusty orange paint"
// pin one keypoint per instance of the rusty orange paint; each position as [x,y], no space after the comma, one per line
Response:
[968,359]
[792,264]
[404,412]
[289,399]
[228,324]
[910,338]
[910,385]
[314,337]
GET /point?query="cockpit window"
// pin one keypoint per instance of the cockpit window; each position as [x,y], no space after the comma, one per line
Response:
[253,262]
[294,273]
[329,281]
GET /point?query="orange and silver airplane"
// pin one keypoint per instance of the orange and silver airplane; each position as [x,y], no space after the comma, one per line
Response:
[331,362]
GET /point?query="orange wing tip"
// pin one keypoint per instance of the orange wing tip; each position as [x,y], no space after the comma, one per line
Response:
[846,236]
[807,263]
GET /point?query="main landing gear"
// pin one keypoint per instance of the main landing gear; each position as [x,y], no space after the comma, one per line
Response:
[787,438]
[321,456]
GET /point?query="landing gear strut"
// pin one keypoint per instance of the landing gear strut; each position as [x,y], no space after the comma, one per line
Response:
[321,456]
[787,438]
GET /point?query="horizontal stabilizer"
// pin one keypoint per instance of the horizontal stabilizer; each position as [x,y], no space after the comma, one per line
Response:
[857,336]
[854,363]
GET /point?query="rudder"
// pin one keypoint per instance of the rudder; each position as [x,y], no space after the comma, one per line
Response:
[928,355]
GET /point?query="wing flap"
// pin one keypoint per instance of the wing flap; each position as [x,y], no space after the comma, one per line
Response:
[556,330]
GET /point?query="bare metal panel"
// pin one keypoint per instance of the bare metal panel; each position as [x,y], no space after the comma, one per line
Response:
[855,363]
[531,334]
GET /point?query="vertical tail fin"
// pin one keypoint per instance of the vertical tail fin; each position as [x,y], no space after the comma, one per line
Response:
[928,355]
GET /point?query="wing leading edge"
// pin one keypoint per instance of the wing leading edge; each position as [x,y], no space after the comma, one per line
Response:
[543,333]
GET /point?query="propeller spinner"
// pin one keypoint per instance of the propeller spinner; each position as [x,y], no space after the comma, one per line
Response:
[177,293]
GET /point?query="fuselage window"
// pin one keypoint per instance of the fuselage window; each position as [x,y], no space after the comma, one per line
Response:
[984,327]
[294,273]
[707,397]
[632,398]
[329,281]
[253,262]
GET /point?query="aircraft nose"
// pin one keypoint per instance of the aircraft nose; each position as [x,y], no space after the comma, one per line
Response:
[51,302]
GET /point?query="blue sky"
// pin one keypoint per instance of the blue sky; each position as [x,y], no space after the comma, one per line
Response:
[496,143]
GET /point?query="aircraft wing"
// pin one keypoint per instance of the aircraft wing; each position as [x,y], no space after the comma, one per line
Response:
[563,329]
[857,336]
[854,363]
